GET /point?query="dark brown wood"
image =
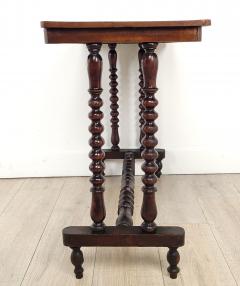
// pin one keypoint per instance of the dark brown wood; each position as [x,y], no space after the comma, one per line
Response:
[119,236]
[173,258]
[149,64]
[126,24]
[164,236]
[141,96]
[112,57]
[126,198]
[122,35]
[110,154]
[123,32]
[77,260]
[97,155]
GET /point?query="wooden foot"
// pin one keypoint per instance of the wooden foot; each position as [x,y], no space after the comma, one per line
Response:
[173,258]
[77,261]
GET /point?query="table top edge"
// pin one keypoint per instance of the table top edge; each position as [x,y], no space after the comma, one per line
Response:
[129,24]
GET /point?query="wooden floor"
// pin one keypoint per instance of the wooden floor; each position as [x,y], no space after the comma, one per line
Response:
[34,211]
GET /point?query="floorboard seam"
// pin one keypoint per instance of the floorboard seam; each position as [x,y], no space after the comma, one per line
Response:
[236,188]
[219,247]
[94,265]
[159,257]
[17,191]
[40,238]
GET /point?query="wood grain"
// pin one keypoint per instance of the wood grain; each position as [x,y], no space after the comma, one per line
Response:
[22,224]
[177,200]
[202,262]
[223,215]
[8,189]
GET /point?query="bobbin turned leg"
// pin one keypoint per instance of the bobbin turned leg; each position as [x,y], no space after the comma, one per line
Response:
[141,107]
[173,258]
[77,260]
[112,57]
[149,65]
[97,155]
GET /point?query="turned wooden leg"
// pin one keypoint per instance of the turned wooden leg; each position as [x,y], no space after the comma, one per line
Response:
[173,258]
[77,260]
[112,56]
[96,141]
[141,95]
[149,64]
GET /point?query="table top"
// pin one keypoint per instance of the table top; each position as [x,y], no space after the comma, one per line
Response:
[123,32]
[147,24]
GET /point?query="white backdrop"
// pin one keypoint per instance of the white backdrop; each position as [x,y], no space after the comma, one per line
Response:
[43,89]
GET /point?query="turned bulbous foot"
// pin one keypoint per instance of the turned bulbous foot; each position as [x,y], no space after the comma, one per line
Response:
[77,261]
[173,259]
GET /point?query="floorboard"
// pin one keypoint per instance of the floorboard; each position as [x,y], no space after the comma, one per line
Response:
[8,189]
[22,225]
[51,263]
[202,262]
[34,211]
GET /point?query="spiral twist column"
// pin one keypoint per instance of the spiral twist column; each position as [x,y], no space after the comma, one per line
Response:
[96,141]
[149,65]
[112,57]
[141,95]
[126,197]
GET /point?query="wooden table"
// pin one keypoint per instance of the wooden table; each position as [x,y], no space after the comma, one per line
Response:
[147,35]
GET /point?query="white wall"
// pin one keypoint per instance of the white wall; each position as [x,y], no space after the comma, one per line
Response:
[43,89]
